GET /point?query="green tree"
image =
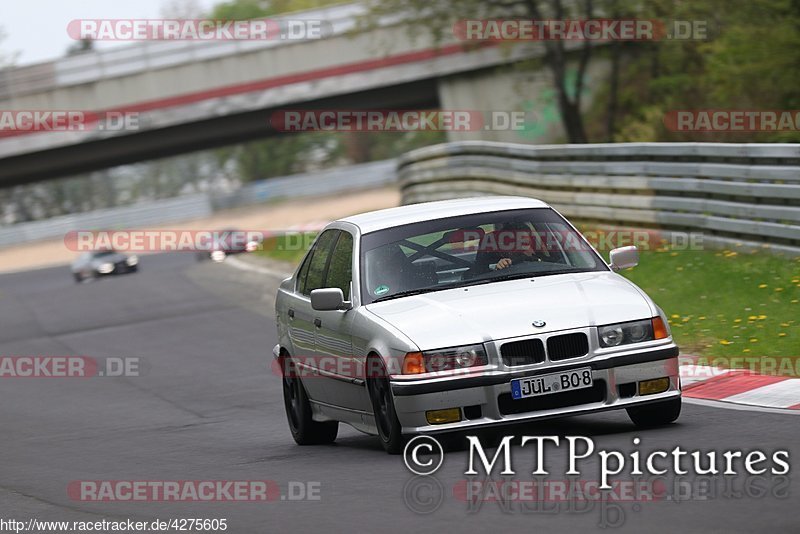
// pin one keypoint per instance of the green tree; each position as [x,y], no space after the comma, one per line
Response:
[439,16]
[750,60]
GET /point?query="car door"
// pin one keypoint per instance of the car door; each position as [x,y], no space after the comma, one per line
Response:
[79,266]
[302,330]
[334,341]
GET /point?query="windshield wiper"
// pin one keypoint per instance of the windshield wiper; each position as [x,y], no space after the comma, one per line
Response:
[517,276]
[411,292]
[510,276]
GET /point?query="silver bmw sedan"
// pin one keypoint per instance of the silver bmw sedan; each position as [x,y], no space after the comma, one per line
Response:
[446,316]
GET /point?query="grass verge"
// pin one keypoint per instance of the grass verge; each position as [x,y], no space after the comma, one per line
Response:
[725,303]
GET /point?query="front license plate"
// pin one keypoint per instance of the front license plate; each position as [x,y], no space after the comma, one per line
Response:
[535,386]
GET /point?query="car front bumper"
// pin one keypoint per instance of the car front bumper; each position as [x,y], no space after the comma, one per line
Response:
[485,399]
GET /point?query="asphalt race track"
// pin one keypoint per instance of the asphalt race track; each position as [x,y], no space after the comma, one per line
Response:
[206,406]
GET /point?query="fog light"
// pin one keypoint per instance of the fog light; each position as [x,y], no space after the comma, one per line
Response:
[439,417]
[651,387]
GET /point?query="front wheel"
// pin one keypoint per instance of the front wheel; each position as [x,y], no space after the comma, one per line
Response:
[656,414]
[389,429]
[305,430]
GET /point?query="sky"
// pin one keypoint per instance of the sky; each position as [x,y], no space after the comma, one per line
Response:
[37,29]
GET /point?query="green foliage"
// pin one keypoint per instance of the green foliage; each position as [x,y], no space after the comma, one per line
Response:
[749,61]
[252,9]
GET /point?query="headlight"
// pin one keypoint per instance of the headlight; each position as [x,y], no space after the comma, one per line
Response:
[105,268]
[132,260]
[444,360]
[218,255]
[614,335]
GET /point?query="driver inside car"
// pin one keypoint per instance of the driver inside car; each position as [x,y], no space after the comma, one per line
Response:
[513,244]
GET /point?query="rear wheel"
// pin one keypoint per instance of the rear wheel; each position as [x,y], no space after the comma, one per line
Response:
[656,414]
[78,277]
[389,429]
[305,430]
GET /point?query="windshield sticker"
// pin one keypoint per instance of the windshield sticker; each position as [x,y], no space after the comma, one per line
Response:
[381,289]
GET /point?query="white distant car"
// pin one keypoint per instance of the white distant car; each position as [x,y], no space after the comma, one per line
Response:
[451,315]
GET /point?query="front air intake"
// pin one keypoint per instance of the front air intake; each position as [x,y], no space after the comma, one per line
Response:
[567,346]
[524,352]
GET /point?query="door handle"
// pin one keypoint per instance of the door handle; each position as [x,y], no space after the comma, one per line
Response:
[318,322]
[290,313]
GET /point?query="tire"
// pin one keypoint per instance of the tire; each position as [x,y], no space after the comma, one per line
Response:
[656,414]
[380,393]
[305,430]
[78,277]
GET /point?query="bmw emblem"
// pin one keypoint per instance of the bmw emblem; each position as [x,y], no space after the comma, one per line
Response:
[538,324]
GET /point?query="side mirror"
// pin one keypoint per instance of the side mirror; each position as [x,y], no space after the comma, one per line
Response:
[624,258]
[328,298]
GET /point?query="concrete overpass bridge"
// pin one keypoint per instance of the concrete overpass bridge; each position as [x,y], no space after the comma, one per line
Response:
[192,95]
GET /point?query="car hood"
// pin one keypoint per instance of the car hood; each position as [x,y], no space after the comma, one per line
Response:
[500,310]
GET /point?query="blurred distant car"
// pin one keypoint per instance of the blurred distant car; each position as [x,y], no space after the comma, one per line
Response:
[102,263]
[230,241]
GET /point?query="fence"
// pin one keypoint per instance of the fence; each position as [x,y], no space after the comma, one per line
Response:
[733,193]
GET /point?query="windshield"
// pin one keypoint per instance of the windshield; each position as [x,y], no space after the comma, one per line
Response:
[471,249]
[102,253]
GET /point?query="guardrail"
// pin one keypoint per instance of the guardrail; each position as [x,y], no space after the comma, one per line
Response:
[746,194]
[135,216]
[187,207]
[324,182]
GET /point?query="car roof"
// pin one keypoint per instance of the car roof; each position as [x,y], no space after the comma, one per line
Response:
[387,218]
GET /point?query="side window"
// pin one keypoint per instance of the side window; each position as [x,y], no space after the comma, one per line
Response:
[301,276]
[319,261]
[340,270]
